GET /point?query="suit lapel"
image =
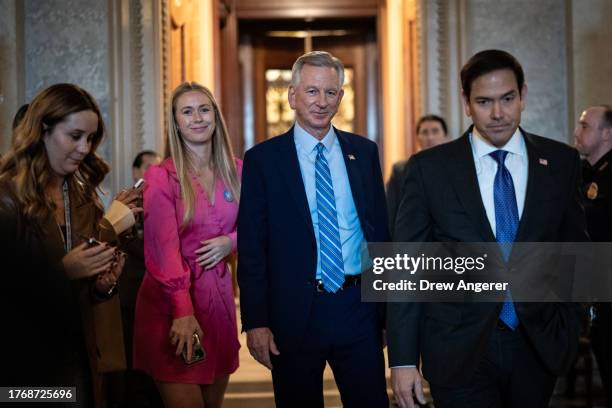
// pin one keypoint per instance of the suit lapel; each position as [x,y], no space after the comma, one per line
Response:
[289,167]
[537,183]
[351,161]
[463,173]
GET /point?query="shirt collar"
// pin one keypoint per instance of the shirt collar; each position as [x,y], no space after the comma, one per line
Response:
[603,162]
[516,144]
[308,142]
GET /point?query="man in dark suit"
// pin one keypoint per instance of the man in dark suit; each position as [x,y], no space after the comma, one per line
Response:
[431,131]
[495,183]
[311,199]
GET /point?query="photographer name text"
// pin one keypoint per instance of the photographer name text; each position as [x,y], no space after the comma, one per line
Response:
[424,285]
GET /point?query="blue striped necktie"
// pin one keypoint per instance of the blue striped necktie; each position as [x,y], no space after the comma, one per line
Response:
[506,225]
[330,248]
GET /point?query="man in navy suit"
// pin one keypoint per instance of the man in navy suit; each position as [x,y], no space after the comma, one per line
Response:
[496,183]
[311,199]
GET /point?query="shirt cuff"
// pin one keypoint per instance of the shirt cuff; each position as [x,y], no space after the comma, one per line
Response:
[120,217]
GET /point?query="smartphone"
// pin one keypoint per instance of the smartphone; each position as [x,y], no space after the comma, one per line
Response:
[139,183]
[91,242]
[197,354]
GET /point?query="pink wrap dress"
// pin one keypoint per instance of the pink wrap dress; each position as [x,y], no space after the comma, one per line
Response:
[175,285]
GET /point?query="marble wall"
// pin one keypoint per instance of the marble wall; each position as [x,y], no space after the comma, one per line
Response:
[536,33]
[68,41]
[592,53]
[10,98]
[111,48]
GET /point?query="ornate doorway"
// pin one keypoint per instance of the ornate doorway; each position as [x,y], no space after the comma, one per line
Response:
[267,51]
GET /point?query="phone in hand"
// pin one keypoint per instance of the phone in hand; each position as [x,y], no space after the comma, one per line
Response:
[91,242]
[139,183]
[197,354]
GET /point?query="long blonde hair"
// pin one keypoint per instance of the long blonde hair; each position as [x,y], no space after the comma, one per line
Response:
[26,165]
[222,156]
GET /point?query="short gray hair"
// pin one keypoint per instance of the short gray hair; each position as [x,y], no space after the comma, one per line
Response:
[317,59]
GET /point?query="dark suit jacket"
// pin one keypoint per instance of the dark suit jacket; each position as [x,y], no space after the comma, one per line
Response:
[61,323]
[442,203]
[395,185]
[277,250]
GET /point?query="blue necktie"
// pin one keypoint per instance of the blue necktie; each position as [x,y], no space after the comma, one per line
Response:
[506,225]
[330,248]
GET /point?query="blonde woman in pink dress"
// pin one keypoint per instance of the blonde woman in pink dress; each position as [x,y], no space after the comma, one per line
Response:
[190,209]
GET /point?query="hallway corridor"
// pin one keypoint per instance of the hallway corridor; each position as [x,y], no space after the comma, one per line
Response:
[251,387]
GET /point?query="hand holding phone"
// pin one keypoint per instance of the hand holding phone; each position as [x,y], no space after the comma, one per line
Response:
[138,184]
[132,197]
[197,354]
[89,258]
[91,242]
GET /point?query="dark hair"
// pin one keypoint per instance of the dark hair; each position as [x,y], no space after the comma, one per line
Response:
[20,114]
[487,61]
[606,117]
[431,118]
[138,159]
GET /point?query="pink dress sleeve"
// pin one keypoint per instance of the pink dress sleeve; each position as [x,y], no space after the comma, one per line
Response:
[161,241]
[233,235]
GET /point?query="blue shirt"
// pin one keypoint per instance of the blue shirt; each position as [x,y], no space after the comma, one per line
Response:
[351,235]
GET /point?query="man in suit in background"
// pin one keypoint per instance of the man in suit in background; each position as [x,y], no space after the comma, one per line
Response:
[142,162]
[594,142]
[133,388]
[311,199]
[431,131]
[495,183]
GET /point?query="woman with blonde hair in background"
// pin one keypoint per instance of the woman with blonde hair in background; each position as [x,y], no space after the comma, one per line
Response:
[54,280]
[191,205]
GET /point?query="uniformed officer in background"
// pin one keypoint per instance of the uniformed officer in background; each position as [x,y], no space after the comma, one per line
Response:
[594,142]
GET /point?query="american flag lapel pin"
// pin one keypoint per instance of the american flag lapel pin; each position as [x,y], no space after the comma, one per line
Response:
[351,157]
[544,162]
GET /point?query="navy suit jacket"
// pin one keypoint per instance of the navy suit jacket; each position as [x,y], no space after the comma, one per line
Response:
[277,250]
